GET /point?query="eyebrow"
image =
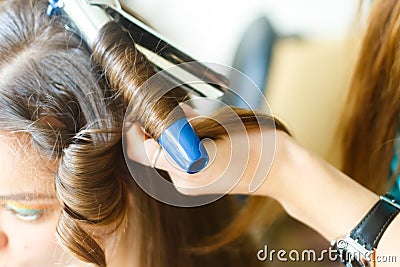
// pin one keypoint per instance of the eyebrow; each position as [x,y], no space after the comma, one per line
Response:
[27,196]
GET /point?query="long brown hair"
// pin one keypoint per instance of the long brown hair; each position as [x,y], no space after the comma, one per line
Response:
[371,116]
[72,104]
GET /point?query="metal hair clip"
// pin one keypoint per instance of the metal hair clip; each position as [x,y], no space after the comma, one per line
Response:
[179,139]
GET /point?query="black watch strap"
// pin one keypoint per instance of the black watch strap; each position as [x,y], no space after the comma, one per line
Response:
[370,230]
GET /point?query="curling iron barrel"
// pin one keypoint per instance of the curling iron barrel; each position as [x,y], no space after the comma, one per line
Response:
[88,19]
[179,139]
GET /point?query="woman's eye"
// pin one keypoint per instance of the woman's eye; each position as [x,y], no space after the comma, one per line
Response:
[24,212]
[30,217]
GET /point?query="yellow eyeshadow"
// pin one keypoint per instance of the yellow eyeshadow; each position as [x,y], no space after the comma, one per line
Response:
[24,208]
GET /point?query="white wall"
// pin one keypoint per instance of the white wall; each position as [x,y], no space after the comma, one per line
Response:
[211,29]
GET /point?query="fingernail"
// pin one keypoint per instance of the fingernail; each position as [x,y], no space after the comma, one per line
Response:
[181,142]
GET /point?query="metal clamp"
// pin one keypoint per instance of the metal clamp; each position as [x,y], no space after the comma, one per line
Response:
[163,53]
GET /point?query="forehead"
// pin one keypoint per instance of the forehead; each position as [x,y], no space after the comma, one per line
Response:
[22,168]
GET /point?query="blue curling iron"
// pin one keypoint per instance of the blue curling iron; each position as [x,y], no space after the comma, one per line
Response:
[179,140]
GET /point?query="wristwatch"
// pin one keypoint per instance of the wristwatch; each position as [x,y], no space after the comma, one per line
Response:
[357,249]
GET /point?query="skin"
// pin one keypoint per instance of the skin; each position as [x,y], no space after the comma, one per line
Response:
[309,189]
[27,179]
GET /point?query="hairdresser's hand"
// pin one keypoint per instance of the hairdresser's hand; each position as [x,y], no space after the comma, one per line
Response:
[310,190]
[249,161]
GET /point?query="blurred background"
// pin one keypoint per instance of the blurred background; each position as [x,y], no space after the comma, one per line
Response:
[300,53]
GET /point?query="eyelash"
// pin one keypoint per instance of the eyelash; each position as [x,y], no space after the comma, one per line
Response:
[25,214]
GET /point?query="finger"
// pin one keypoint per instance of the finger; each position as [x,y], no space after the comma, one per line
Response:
[189,111]
[200,183]
[159,157]
[143,150]
[135,149]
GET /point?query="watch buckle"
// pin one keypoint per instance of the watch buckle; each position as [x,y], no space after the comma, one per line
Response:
[355,251]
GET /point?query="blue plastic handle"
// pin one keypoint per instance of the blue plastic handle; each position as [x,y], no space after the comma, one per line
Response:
[54,8]
[181,142]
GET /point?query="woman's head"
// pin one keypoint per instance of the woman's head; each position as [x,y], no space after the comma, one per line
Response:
[62,108]
[52,96]
[31,209]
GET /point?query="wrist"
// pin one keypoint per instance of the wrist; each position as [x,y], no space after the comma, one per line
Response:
[284,167]
[313,192]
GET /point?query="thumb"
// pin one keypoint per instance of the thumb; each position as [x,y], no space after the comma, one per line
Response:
[134,142]
[145,150]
